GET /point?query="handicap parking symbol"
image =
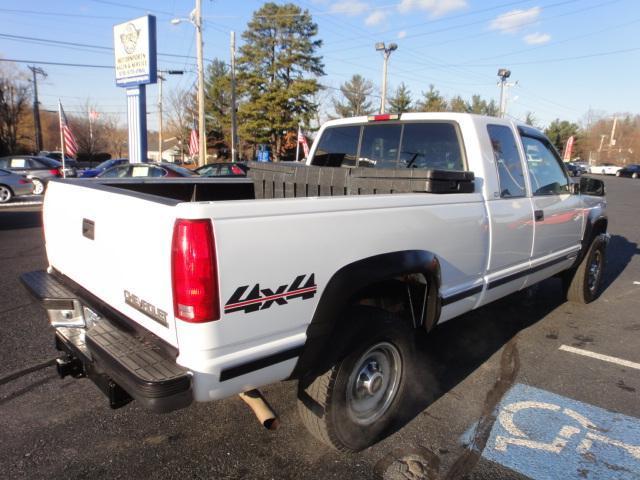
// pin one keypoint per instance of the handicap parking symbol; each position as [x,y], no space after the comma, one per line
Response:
[546,436]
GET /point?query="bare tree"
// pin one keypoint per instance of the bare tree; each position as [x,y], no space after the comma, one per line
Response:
[14,102]
[182,114]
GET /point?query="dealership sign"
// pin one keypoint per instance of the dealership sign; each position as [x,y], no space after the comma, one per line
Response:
[134,45]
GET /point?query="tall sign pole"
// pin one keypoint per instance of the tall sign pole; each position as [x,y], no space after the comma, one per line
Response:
[136,66]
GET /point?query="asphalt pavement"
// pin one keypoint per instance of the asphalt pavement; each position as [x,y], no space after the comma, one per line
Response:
[529,387]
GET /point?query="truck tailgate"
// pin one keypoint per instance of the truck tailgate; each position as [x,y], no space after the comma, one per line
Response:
[115,244]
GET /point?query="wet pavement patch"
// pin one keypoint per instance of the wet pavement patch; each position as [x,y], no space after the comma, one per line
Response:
[544,435]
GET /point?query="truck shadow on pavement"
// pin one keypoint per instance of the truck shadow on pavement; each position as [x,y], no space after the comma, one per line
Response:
[620,252]
[23,219]
[455,349]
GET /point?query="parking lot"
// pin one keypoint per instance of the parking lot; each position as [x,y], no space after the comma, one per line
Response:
[529,387]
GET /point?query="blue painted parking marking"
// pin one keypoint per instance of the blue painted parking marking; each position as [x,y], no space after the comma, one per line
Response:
[546,436]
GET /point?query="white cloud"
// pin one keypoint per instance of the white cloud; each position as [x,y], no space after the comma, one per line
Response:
[348,7]
[434,7]
[402,34]
[537,38]
[514,20]
[375,18]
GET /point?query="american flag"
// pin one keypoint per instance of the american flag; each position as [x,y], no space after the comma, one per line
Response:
[194,143]
[303,140]
[70,146]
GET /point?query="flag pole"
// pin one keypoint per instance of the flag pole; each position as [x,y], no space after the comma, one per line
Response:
[298,143]
[64,173]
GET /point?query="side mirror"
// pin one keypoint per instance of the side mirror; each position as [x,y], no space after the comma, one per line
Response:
[592,186]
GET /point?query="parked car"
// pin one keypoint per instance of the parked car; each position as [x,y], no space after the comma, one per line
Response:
[13,185]
[605,169]
[583,166]
[38,169]
[632,171]
[71,164]
[202,299]
[225,169]
[573,170]
[93,172]
[138,170]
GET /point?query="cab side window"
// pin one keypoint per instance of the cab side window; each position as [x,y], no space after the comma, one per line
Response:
[508,163]
[545,170]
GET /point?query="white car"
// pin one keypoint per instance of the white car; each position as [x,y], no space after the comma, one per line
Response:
[604,169]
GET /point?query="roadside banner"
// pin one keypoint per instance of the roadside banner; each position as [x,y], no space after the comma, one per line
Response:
[567,149]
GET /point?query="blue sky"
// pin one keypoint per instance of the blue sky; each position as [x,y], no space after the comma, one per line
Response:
[568,56]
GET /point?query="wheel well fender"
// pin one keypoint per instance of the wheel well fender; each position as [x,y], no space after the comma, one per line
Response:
[356,277]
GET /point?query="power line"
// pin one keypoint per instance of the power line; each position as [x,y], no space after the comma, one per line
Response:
[562,59]
[63,64]
[49,41]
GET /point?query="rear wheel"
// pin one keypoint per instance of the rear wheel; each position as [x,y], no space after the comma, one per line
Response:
[618,174]
[353,404]
[38,186]
[583,283]
[5,194]
[634,175]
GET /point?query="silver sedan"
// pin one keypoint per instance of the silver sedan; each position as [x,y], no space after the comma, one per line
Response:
[13,185]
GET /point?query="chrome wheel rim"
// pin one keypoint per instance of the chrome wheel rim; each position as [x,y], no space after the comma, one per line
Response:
[373,383]
[5,194]
[38,187]
[595,268]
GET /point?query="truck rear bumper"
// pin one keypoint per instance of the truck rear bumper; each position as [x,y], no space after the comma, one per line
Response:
[121,363]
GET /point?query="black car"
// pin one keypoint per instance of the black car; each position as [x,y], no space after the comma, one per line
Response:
[632,171]
[574,170]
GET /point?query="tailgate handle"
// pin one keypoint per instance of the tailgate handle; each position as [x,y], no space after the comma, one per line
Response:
[88,228]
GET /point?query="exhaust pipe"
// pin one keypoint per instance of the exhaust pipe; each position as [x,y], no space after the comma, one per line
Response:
[266,416]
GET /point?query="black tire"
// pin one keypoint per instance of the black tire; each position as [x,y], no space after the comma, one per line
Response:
[583,283]
[6,194]
[333,405]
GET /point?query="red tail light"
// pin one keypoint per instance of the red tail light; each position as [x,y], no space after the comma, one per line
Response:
[194,271]
[24,181]
[383,117]
[56,171]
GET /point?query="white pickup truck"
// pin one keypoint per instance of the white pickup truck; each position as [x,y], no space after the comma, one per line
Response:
[181,290]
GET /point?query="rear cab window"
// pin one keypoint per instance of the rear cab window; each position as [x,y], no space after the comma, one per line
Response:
[433,145]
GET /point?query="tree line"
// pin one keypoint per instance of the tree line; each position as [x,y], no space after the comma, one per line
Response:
[278,88]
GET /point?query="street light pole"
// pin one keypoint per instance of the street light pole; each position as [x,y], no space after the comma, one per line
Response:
[36,106]
[197,20]
[386,53]
[503,73]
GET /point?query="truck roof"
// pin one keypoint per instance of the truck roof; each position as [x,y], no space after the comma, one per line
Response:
[451,116]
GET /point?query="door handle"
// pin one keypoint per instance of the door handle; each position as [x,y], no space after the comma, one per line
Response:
[538,215]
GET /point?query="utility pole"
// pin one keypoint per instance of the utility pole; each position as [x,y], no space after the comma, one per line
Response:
[234,124]
[386,53]
[612,139]
[36,105]
[202,154]
[161,79]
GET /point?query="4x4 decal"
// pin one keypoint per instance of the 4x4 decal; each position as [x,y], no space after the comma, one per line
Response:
[262,298]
